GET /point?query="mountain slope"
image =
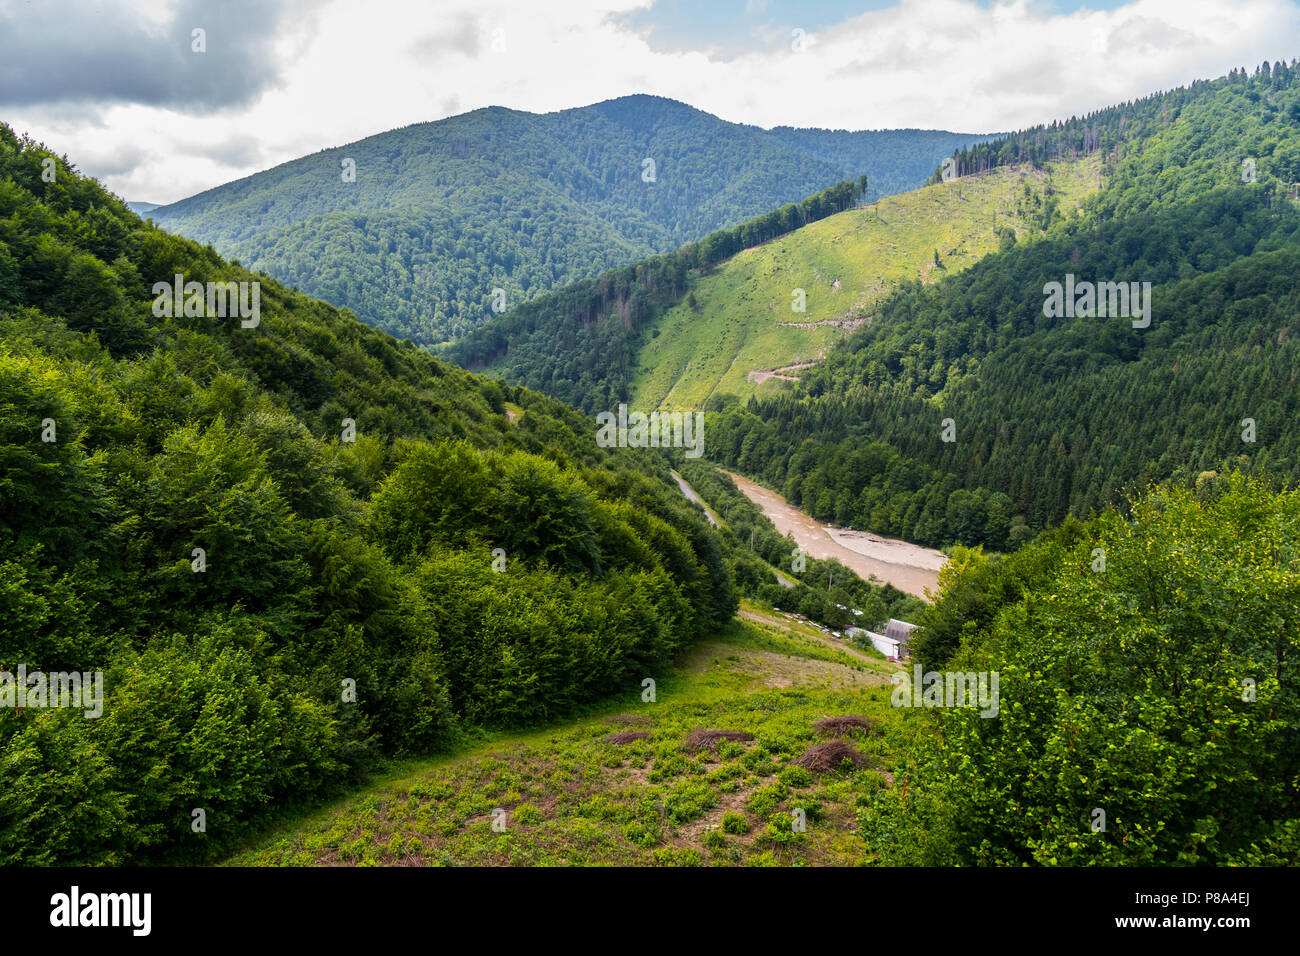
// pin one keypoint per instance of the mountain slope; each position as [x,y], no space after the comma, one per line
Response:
[1054,415]
[290,546]
[739,334]
[441,214]
[579,343]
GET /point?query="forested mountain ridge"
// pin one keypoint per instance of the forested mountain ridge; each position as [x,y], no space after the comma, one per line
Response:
[1108,130]
[1055,415]
[440,214]
[580,343]
[1050,415]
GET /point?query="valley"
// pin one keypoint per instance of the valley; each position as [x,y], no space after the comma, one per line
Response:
[382,592]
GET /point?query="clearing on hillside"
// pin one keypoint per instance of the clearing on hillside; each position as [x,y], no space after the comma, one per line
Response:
[743,338]
[668,793]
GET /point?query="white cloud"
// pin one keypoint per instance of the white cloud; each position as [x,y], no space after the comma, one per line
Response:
[358,67]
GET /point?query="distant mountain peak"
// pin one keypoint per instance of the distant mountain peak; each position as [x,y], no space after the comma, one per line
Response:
[413,228]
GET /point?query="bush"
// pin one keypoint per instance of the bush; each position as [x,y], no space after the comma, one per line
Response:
[734,822]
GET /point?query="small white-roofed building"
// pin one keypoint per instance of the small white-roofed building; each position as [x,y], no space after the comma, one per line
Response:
[893,643]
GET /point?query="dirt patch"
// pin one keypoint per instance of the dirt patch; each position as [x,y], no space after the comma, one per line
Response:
[626,737]
[628,719]
[698,740]
[759,376]
[846,726]
[828,323]
[823,758]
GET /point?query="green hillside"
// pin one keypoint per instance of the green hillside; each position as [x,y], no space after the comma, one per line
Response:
[962,412]
[739,326]
[1055,415]
[438,215]
[277,542]
[1119,691]
[578,343]
[295,549]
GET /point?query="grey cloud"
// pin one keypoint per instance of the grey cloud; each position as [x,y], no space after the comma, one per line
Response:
[232,150]
[58,52]
[463,35]
[1034,75]
[1143,36]
[113,163]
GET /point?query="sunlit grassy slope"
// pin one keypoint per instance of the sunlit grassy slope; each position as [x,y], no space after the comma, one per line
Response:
[743,324]
[572,796]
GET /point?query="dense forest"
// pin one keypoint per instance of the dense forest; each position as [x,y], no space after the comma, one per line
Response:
[1051,417]
[429,220]
[1149,702]
[291,549]
[578,343]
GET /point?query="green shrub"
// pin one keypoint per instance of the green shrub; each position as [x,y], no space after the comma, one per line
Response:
[734,822]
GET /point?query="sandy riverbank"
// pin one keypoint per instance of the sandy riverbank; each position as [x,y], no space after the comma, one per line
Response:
[908,567]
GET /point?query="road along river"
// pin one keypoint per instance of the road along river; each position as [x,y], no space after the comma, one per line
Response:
[908,567]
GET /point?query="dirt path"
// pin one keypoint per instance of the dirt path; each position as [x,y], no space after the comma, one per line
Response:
[908,567]
[759,376]
[690,494]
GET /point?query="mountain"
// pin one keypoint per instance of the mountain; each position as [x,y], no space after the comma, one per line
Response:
[288,548]
[414,229]
[284,546]
[285,550]
[140,208]
[964,411]
[895,160]
[973,411]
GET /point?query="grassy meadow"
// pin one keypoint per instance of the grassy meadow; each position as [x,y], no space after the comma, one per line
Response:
[628,785]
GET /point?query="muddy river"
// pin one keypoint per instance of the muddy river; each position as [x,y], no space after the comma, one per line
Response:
[908,567]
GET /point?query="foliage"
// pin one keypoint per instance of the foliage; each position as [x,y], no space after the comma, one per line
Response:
[1161,691]
[278,606]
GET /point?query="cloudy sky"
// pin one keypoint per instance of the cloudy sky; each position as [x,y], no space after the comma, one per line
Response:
[121,89]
